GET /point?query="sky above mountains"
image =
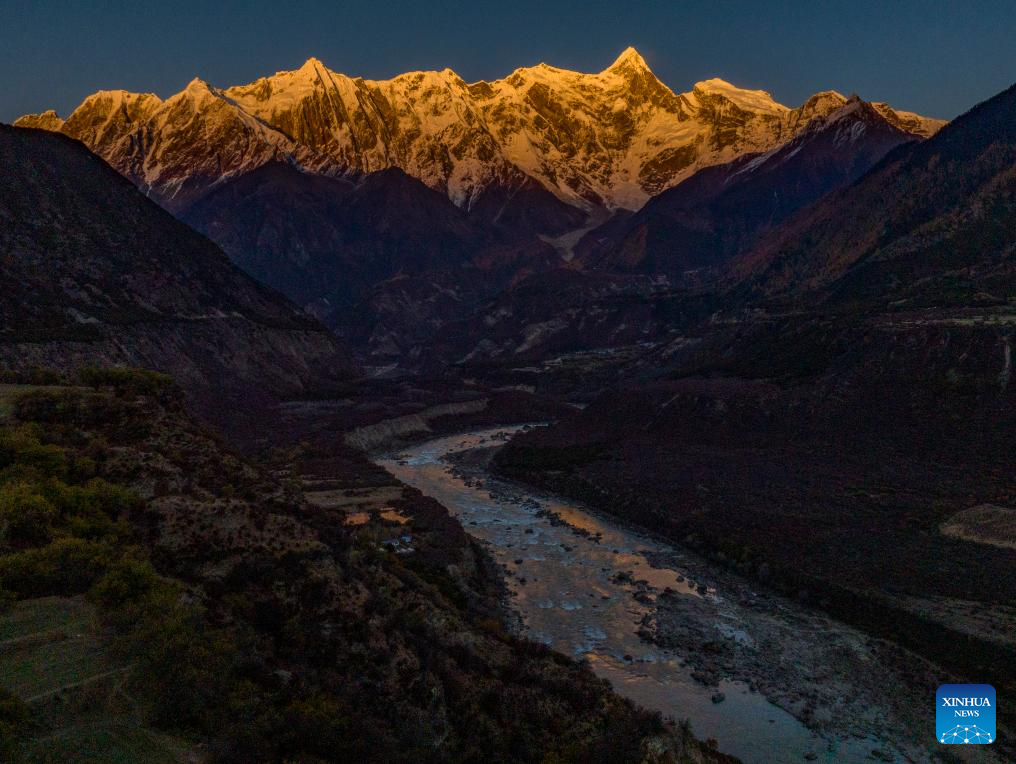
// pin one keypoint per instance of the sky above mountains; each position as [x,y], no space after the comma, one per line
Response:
[936,58]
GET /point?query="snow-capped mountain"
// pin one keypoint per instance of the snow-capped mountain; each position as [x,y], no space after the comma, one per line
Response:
[595,141]
[713,215]
[174,150]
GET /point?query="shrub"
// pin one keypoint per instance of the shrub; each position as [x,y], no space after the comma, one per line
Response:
[26,518]
[127,584]
[65,567]
[22,446]
[95,498]
[127,380]
[48,405]
[69,407]
[181,661]
[97,528]
[34,376]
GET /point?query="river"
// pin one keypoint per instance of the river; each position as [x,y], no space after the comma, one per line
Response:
[584,585]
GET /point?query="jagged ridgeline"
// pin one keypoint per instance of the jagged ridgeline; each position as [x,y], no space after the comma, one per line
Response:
[594,141]
[423,196]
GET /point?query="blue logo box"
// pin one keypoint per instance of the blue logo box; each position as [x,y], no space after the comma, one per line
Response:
[966,714]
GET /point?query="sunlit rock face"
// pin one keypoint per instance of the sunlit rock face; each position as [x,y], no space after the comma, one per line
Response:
[596,142]
[690,229]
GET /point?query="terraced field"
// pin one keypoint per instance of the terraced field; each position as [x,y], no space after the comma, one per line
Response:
[54,656]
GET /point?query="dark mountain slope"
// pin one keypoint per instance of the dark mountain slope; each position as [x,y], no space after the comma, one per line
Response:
[932,225]
[554,312]
[844,409]
[526,208]
[95,273]
[260,624]
[319,238]
[720,210]
[630,285]
[385,262]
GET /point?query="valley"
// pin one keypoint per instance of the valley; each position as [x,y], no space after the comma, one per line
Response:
[555,417]
[673,631]
[402,212]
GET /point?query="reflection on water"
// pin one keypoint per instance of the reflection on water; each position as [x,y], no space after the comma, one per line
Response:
[586,594]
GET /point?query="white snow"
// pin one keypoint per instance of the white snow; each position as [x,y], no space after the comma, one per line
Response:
[751,100]
[610,134]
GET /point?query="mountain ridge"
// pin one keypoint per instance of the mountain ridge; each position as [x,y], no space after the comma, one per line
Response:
[95,274]
[712,215]
[594,141]
[935,212]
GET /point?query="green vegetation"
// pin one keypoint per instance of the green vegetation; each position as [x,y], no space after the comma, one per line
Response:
[83,603]
[62,693]
[34,377]
[101,742]
[137,381]
[52,643]
[156,589]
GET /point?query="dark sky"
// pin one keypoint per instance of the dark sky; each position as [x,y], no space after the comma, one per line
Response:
[937,58]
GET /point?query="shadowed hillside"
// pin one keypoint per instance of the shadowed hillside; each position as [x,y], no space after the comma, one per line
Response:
[96,274]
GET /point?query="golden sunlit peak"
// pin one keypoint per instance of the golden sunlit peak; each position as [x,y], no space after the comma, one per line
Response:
[629,58]
[312,64]
[198,84]
[715,83]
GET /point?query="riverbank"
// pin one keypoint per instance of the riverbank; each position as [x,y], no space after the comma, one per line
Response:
[672,631]
[842,514]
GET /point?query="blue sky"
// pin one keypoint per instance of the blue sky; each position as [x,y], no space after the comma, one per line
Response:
[937,58]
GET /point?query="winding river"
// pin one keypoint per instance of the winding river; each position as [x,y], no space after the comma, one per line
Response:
[575,581]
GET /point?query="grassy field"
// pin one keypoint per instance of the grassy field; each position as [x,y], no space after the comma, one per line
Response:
[33,616]
[54,656]
[50,644]
[106,742]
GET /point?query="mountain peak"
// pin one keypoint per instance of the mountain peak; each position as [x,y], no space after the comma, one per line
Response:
[197,92]
[198,85]
[629,59]
[714,84]
[750,100]
[826,95]
[852,109]
[47,120]
[311,65]
[465,139]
